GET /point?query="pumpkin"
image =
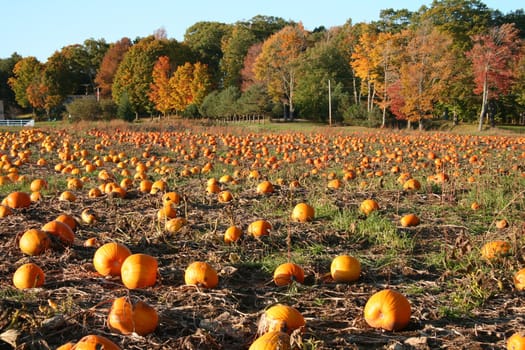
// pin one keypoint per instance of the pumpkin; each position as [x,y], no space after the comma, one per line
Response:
[368,206]
[91,242]
[303,212]
[108,258]
[171,198]
[519,280]
[139,271]
[68,220]
[29,275]
[34,242]
[166,212]
[272,341]
[412,185]
[282,318]
[286,273]
[158,186]
[5,211]
[38,185]
[475,206]
[145,318]
[516,342]
[265,187]
[120,317]
[334,184]
[17,199]
[232,234]
[67,196]
[66,346]
[87,216]
[345,268]
[74,184]
[387,309]
[495,249]
[35,196]
[259,228]
[213,187]
[95,342]
[224,196]
[501,224]
[60,230]
[94,192]
[145,186]
[174,225]
[201,274]
[409,220]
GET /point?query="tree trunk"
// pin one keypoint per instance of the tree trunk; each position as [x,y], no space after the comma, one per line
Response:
[483,104]
[409,124]
[420,124]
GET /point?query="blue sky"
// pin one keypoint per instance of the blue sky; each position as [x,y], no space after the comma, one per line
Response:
[40,27]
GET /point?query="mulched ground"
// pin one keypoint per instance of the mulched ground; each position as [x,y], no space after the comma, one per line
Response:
[75,299]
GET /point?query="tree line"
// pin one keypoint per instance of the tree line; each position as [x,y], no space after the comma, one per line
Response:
[454,59]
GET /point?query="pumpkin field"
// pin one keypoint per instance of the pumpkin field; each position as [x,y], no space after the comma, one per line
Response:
[172,235]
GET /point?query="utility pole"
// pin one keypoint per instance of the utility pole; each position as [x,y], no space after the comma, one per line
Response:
[329,104]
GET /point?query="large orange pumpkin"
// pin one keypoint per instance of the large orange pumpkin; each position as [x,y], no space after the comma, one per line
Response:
[345,268]
[145,318]
[139,271]
[17,200]
[495,249]
[95,342]
[38,185]
[387,309]
[232,234]
[29,275]
[259,228]
[272,341]
[120,317]
[303,212]
[108,258]
[409,220]
[368,206]
[34,242]
[5,211]
[286,273]
[68,220]
[282,318]
[516,341]
[201,274]
[60,230]
[265,187]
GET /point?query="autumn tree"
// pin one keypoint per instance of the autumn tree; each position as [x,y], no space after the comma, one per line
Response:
[494,56]
[365,63]
[247,72]
[189,85]
[425,72]
[109,64]
[277,63]
[26,71]
[235,48]
[160,93]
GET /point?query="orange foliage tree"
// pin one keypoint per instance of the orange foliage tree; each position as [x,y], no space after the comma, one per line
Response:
[160,92]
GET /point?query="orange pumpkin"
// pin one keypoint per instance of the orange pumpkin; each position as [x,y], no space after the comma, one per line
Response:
[87,216]
[368,206]
[145,318]
[286,273]
[387,309]
[66,346]
[409,220]
[120,317]
[34,242]
[201,274]
[35,196]
[158,186]
[495,249]
[265,187]
[259,228]
[232,234]
[5,211]
[303,212]
[38,185]
[29,275]
[60,230]
[412,185]
[108,258]
[95,342]
[519,280]
[334,184]
[67,196]
[139,271]
[94,192]
[345,268]
[282,318]
[174,225]
[68,220]
[171,198]
[166,212]
[272,341]
[17,199]
[516,341]
[501,224]
[225,196]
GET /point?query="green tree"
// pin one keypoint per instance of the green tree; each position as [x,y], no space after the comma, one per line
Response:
[125,108]
[254,101]
[6,72]
[134,74]
[235,47]
[26,71]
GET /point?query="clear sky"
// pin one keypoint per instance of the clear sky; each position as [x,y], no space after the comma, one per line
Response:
[40,27]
